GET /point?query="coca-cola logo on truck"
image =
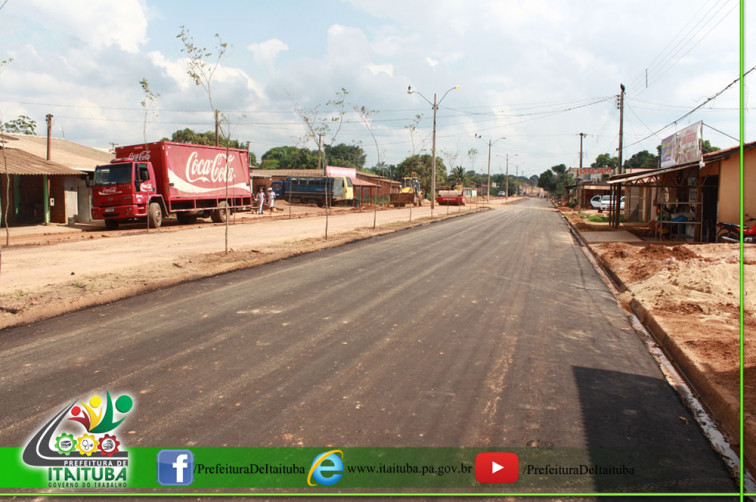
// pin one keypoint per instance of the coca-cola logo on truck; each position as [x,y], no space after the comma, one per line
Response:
[209,170]
[141,156]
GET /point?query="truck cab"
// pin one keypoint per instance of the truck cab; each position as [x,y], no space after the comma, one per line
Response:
[122,191]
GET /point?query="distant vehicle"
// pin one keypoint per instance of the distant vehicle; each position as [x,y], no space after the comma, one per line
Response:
[450,198]
[320,190]
[596,202]
[607,200]
[412,193]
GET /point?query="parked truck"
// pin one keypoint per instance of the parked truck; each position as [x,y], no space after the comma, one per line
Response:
[320,190]
[155,180]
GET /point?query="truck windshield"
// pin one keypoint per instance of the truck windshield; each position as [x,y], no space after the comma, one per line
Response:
[113,174]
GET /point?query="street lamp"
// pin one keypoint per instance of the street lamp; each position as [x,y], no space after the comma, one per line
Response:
[433,157]
[488,194]
[507,173]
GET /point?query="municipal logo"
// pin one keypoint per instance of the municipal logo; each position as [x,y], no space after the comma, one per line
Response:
[79,446]
[175,467]
[326,469]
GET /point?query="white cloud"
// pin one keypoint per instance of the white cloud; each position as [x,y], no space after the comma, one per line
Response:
[375,69]
[266,52]
[348,45]
[176,70]
[97,24]
[431,62]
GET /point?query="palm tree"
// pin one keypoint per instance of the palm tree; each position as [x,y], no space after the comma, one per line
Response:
[458,176]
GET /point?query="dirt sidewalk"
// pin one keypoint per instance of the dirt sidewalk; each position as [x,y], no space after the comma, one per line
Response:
[89,265]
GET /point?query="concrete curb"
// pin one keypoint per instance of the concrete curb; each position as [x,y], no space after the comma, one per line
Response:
[710,394]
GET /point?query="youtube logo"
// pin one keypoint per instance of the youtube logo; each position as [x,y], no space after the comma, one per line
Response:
[497,468]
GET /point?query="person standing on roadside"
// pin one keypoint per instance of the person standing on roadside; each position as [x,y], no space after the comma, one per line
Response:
[260,197]
[271,198]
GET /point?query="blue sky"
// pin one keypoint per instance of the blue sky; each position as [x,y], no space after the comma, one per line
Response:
[535,72]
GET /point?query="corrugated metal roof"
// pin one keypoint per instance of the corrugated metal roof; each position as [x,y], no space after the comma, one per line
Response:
[64,152]
[362,183]
[20,162]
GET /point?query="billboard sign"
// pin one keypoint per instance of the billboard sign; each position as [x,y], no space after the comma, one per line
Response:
[682,147]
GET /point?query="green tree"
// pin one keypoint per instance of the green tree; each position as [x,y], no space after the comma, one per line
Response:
[289,157]
[345,155]
[458,176]
[642,160]
[606,160]
[204,138]
[555,179]
[547,181]
[21,125]
[708,147]
[421,165]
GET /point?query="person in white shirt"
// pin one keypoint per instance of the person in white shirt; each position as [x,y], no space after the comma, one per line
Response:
[271,198]
[260,199]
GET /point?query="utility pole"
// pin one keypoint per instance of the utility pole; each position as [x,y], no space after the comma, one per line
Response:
[320,140]
[490,142]
[45,179]
[621,105]
[614,211]
[435,104]
[582,135]
[48,118]
[506,197]
[488,189]
[433,157]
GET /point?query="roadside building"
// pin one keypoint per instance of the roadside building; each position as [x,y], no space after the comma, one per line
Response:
[48,191]
[686,201]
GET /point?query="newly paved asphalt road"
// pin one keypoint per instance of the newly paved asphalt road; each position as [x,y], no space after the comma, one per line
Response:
[489,330]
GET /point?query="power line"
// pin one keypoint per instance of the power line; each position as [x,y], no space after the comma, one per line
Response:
[694,45]
[681,44]
[655,133]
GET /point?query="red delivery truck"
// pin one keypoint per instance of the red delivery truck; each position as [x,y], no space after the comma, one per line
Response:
[156,180]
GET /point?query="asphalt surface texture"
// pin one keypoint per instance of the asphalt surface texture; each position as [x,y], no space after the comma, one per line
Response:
[489,330]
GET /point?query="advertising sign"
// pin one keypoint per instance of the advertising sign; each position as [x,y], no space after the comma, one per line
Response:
[682,147]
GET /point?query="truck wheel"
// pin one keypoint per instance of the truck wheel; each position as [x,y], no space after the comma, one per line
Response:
[155,215]
[186,218]
[111,224]
[220,215]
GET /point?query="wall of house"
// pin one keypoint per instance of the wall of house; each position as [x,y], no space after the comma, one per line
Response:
[729,192]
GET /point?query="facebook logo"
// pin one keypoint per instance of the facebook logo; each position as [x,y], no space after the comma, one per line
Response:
[175,467]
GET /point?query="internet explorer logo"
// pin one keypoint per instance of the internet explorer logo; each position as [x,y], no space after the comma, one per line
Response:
[326,469]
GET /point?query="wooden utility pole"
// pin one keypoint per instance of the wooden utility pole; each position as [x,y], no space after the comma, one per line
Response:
[48,118]
[582,135]
[622,110]
[320,141]
[614,209]
[45,179]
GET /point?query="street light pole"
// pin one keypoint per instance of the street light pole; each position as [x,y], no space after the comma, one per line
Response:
[507,175]
[433,154]
[490,142]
